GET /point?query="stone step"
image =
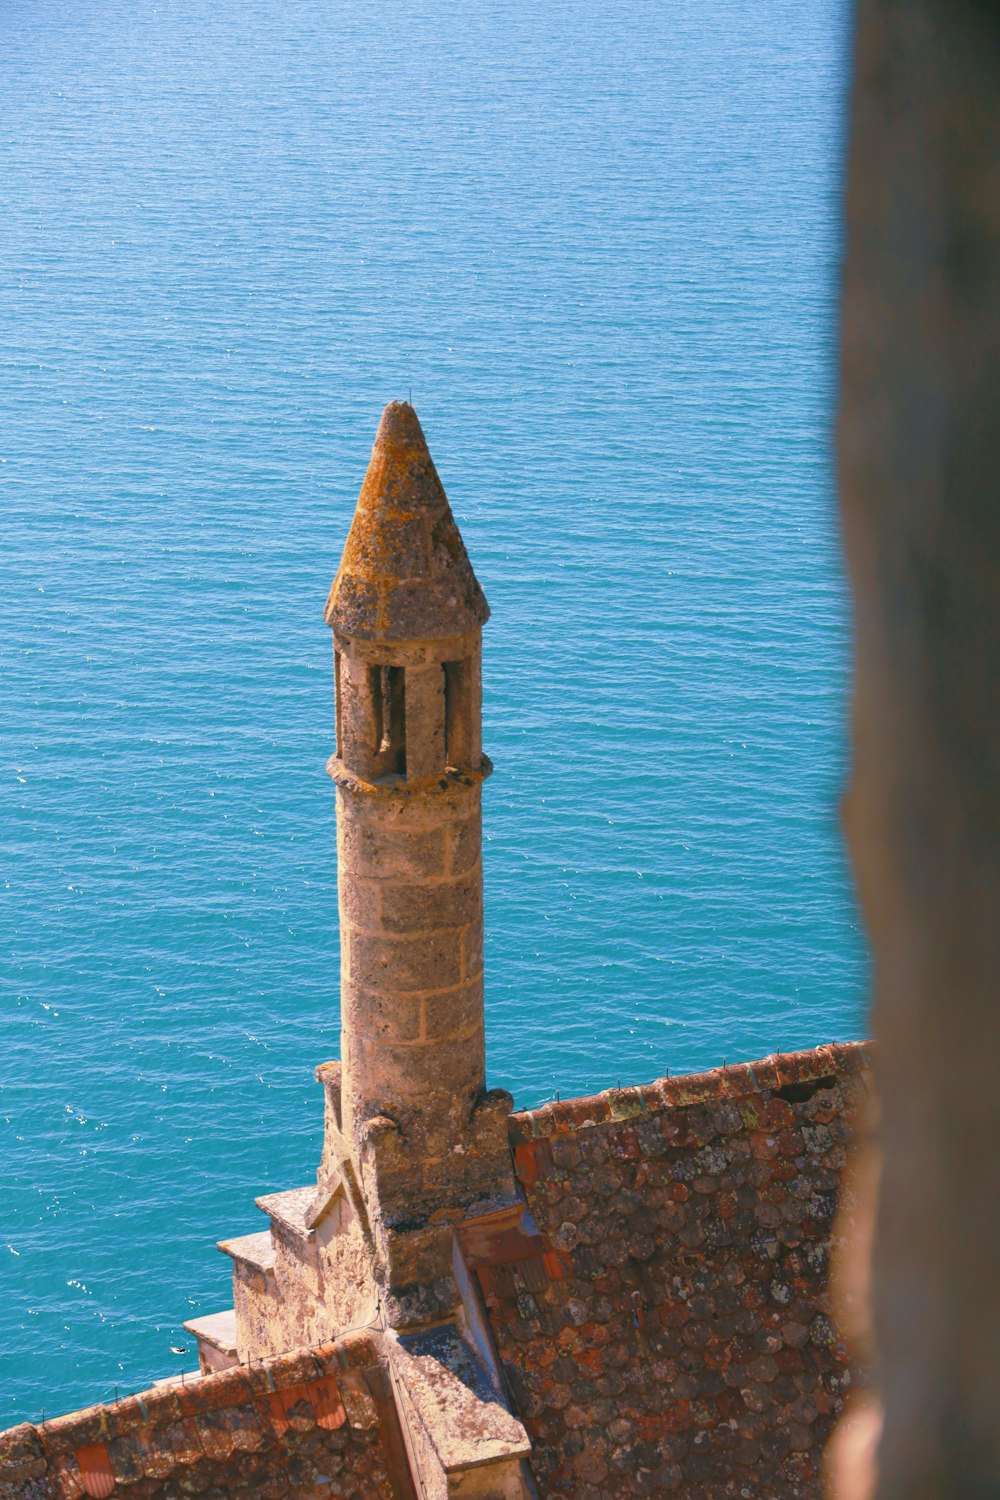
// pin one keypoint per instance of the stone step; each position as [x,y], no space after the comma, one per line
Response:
[216,1335]
[253,1250]
[290,1210]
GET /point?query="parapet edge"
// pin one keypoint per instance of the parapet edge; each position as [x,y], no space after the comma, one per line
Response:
[732,1081]
[245,1408]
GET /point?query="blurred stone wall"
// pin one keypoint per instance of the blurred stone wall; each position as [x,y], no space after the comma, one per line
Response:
[920,495]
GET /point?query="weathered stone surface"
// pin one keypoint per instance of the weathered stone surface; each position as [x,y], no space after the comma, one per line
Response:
[407,1077]
[378,1016]
[416,961]
[462,1408]
[465,847]
[429,905]
[425,721]
[378,852]
[453,1013]
[21,1455]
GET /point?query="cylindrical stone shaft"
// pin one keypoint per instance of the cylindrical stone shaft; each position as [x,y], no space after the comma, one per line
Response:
[411,911]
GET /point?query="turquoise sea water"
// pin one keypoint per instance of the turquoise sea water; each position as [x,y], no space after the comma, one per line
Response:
[599,244]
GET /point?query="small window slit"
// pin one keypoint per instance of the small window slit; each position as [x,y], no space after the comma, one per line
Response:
[388,692]
[338,703]
[457,713]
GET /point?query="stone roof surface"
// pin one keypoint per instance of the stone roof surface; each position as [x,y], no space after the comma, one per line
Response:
[671,1334]
[405,574]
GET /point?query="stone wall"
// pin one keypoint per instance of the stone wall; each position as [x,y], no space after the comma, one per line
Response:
[667,1331]
[304,1426]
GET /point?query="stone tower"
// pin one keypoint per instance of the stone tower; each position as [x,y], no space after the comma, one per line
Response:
[416,1152]
[412,1133]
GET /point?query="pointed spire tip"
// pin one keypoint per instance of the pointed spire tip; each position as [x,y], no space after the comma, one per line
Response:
[405,574]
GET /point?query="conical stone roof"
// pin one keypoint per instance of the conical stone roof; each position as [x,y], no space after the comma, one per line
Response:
[405,574]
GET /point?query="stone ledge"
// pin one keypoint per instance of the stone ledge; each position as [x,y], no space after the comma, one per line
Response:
[254,1250]
[290,1209]
[217,1329]
[399,787]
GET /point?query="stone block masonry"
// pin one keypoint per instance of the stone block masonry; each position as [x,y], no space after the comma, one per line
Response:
[412,958]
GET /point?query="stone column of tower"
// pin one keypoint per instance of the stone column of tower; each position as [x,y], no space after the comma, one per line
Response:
[426,1143]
